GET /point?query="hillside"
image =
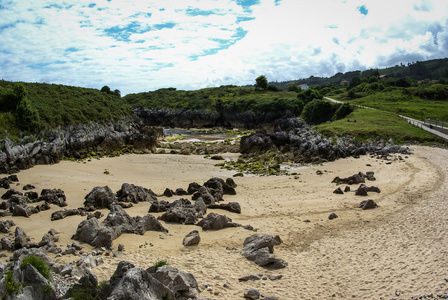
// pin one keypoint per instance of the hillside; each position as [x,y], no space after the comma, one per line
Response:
[56,105]
[431,69]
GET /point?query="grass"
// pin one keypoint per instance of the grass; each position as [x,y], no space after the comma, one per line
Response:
[406,104]
[373,123]
[160,263]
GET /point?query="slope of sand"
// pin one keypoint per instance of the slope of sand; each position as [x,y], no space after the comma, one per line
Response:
[360,255]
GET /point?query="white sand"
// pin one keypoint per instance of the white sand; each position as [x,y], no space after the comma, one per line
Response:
[402,245]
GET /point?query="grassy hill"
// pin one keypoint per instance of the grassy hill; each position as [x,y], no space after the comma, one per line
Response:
[59,105]
[220,99]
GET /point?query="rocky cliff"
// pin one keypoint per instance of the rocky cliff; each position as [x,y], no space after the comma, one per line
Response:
[77,141]
[188,118]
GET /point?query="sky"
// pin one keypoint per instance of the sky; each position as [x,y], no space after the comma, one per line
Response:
[137,45]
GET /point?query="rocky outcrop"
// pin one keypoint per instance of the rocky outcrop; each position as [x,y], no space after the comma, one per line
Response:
[101,234]
[77,141]
[99,197]
[215,222]
[293,140]
[135,194]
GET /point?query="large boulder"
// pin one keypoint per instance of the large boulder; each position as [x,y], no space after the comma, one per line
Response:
[5,225]
[20,239]
[91,231]
[259,248]
[192,238]
[183,285]
[216,221]
[100,197]
[129,282]
[181,215]
[119,220]
[135,194]
[148,222]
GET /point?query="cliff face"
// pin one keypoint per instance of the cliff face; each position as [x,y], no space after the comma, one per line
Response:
[76,141]
[183,118]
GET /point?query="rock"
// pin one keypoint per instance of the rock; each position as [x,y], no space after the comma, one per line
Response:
[192,238]
[354,179]
[368,204]
[252,277]
[193,188]
[332,216]
[231,206]
[168,193]
[180,192]
[9,193]
[148,222]
[200,207]
[217,157]
[129,282]
[53,196]
[28,187]
[5,225]
[230,182]
[5,182]
[275,277]
[37,284]
[61,214]
[370,176]
[181,215]
[91,231]
[252,294]
[99,198]
[215,221]
[20,239]
[97,214]
[347,189]
[159,206]
[338,191]
[205,194]
[259,248]
[7,244]
[120,247]
[48,240]
[23,211]
[119,220]
[135,194]
[361,191]
[182,284]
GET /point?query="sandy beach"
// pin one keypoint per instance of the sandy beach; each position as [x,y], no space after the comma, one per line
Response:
[363,254]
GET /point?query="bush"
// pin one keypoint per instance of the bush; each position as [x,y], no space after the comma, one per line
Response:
[38,263]
[273,88]
[160,264]
[343,111]
[12,286]
[318,111]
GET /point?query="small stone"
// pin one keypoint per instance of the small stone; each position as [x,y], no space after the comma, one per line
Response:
[332,216]
[275,277]
[120,247]
[252,294]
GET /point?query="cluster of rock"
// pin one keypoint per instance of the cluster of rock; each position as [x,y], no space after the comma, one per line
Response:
[17,203]
[28,281]
[197,148]
[77,141]
[293,140]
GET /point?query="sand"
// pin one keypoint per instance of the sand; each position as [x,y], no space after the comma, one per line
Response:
[400,246]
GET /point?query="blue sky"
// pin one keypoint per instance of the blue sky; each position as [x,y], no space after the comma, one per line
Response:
[137,46]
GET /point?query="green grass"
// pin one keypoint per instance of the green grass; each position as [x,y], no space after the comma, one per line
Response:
[373,123]
[406,104]
[160,264]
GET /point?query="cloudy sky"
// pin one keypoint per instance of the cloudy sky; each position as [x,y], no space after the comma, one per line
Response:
[137,45]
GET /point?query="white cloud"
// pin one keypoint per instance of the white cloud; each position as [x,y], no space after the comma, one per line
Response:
[138,46]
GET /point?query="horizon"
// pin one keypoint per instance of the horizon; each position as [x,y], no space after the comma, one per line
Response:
[204,43]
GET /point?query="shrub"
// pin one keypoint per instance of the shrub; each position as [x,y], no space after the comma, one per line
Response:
[318,111]
[12,286]
[38,263]
[343,111]
[160,264]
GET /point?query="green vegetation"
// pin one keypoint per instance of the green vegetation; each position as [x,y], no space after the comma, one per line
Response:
[160,264]
[31,107]
[369,124]
[12,286]
[38,263]
[224,99]
[267,163]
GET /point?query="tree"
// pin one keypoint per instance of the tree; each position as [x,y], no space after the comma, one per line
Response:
[318,111]
[293,88]
[261,82]
[105,89]
[27,116]
[117,93]
[356,80]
